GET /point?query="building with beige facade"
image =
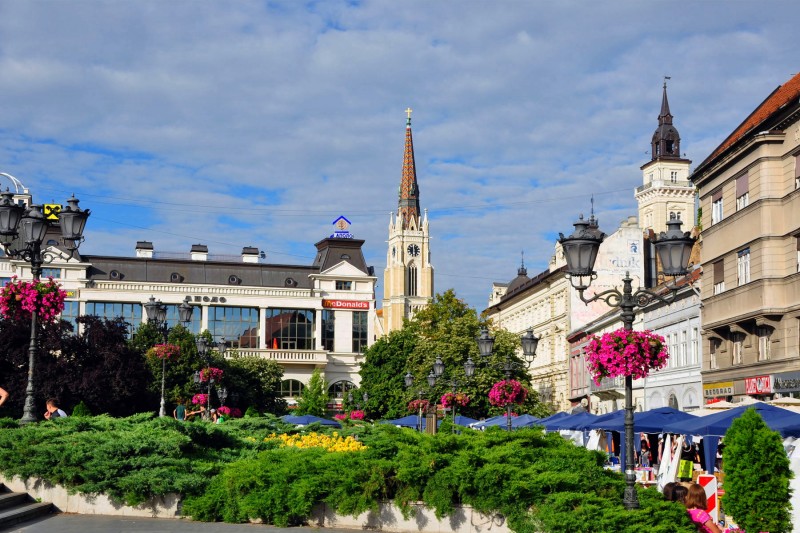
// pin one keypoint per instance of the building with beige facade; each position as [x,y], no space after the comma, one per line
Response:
[750,198]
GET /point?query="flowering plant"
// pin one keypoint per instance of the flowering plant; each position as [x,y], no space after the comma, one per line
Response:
[211,373]
[416,405]
[236,412]
[358,414]
[199,399]
[458,398]
[166,351]
[224,410]
[506,392]
[341,417]
[18,299]
[625,353]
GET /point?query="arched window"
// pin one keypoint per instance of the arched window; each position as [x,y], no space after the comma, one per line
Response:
[340,389]
[291,388]
[673,401]
[411,280]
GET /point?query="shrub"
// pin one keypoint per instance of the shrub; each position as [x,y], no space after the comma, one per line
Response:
[757,476]
[81,410]
[251,412]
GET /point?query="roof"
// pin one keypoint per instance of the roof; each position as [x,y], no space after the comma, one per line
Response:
[530,284]
[781,96]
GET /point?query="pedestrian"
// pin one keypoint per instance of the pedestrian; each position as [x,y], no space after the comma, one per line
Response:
[696,507]
[669,491]
[179,413]
[3,395]
[679,493]
[53,411]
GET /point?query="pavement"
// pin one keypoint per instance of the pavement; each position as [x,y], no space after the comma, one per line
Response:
[73,523]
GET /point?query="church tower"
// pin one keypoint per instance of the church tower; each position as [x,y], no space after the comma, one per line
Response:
[666,189]
[408,278]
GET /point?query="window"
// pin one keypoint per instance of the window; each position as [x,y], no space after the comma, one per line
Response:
[290,329]
[742,191]
[743,266]
[173,317]
[719,277]
[713,347]
[716,207]
[673,176]
[3,281]
[411,280]
[344,285]
[682,350]
[693,347]
[291,388]
[237,326]
[797,171]
[71,312]
[328,329]
[797,246]
[130,312]
[737,341]
[340,389]
[764,333]
[673,401]
[54,273]
[359,331]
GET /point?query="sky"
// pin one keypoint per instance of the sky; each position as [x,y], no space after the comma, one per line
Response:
[255,123]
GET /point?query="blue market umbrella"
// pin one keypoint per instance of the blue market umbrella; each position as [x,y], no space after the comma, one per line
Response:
[552,418]
[464,420]
[602,420]
[652,421]
[570,422]
[492,421]
[524,421]
[409,421]
[304,420]
[718,423]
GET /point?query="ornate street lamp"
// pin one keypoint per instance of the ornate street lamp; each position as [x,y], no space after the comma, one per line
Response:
[22,232]
[157,314]
[486,348]
[204,349]
[580,250]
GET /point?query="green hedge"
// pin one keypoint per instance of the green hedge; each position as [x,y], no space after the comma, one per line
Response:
[230,472]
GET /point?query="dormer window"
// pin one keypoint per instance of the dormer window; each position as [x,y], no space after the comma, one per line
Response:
[344,285]
[668,147]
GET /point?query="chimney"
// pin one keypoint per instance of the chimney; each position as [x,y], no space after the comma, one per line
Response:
[199,252]
[144,249]
[249,254]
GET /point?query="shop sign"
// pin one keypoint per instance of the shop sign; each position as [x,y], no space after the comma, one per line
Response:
[786,382]
[71,294]
[721,388]
[345,304]
[758,385]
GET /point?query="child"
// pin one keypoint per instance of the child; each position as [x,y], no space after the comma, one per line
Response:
[679,493]
[696,506]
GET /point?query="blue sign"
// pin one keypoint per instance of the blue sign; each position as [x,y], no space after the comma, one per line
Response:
[342,226]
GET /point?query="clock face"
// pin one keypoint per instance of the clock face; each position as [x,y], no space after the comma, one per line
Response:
[413,250]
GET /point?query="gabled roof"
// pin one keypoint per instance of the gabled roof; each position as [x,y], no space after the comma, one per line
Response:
[781,96]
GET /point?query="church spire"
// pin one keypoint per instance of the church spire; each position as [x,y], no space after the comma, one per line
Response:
[666,142]
[408,205]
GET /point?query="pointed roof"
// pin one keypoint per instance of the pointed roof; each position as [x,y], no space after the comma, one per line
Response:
[408,204]
[666,141]
[777,100]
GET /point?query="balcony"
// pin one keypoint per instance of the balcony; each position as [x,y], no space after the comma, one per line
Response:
[665,184]
[288,357]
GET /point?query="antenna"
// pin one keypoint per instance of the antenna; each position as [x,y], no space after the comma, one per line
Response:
[592,200]
[523,258]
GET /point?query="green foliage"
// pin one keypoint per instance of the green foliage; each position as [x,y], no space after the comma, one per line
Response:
[447,327]
[81,410]
[252,412]
[314,398]
[757,476]
[257,381]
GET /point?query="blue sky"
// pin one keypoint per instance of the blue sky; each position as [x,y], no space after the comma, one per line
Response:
[258,123]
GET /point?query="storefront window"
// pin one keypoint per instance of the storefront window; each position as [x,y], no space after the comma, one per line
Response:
[328,329]
[339,389]
[237,326]
[291,388]
[290,329]
[359,331]
[130,312]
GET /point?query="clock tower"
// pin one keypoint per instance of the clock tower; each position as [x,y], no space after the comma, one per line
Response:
[408,277]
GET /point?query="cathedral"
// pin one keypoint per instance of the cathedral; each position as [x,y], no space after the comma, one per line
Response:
[408,277]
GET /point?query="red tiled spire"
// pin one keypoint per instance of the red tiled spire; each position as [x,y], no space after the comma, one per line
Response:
[408,205]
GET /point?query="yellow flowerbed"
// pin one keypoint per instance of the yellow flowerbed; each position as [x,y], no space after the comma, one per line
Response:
[331,443]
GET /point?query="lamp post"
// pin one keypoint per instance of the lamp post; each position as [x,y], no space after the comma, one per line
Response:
[580,250]
[204,349]
[22,232]
[409,382]
[433,376]
[157,314]
[364,397]
[529,344]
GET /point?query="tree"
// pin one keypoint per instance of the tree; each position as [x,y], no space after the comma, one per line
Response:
[447,327]
[314,398]
[256,382]
[757,476]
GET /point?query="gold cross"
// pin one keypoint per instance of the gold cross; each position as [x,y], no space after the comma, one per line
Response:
[408,112]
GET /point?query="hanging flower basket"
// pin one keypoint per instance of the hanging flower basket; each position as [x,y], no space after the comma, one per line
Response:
[625,353]
[416,405]
[18,299]
[458,398]
[211,373]
[166,351]
[200,399]
[224,410]
[507,392]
